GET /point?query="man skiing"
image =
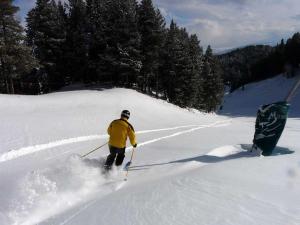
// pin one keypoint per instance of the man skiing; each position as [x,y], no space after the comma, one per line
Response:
[118,132]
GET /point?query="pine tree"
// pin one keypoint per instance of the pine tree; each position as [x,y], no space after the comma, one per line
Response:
[46,34]
[15,56]
[293,50]
[152,30]
[168,63]
[196,55]
[97,31]
[177,68]
[162,33]
[213,89]
[122,54]
[184,88]
[75,53]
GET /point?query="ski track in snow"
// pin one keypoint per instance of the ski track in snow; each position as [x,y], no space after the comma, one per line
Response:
[216,124]
[16,153]
[44,187]
[184,167]
[218,152]
[78,212]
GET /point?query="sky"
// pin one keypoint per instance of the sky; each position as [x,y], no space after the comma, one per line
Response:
[225,24]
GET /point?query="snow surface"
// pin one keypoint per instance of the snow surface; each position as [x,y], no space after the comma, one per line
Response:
[245,101]
[189,168]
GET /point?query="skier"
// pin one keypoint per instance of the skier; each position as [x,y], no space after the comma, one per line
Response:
[118,132]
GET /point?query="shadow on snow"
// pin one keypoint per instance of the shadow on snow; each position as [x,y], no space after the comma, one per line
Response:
[215,159]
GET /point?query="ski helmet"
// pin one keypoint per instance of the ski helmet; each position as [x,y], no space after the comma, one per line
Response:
[125,113]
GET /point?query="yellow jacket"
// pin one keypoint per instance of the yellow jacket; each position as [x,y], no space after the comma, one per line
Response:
[118,131]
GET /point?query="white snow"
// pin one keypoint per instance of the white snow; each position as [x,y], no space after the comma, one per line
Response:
[241,103]
[189,168]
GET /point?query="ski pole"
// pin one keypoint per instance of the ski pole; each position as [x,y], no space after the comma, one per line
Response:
[128,164]
[94,150]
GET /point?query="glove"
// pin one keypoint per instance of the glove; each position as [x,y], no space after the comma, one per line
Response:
[135,145]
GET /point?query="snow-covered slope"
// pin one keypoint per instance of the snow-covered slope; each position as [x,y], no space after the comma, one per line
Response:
[189,168]
[35,120]
[245,101]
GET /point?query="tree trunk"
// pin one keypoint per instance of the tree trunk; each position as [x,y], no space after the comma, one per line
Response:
[12,86]
[156,94]
[148,85]
[7,86]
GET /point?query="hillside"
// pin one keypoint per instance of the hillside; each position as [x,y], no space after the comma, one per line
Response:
[245,101]
[189,168]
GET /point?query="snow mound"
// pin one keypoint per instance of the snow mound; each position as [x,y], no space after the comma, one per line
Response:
[225,151]
[44,193]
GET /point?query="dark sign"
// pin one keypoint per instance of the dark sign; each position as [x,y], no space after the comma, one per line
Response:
[269,125]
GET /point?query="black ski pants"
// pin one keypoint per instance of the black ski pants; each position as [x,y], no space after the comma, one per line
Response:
[115,153]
